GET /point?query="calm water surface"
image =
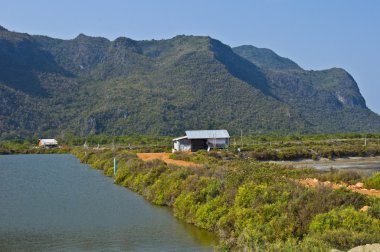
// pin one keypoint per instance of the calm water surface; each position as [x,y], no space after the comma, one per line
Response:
[366,167]
[54,203]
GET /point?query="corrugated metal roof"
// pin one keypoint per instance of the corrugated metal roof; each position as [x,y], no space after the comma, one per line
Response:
[179,138]
[203,134]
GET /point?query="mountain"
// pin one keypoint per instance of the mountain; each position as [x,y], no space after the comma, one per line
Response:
[265,58]
[90,85]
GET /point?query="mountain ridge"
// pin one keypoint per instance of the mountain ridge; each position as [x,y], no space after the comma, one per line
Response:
[269,59]
[91,85]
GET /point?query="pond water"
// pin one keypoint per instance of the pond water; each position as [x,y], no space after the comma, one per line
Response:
[364,166]
[55,203]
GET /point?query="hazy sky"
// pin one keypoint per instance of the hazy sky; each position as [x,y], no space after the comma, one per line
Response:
[316,34]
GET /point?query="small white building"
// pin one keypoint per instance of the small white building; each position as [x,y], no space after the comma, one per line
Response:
[201,140]
[48,143]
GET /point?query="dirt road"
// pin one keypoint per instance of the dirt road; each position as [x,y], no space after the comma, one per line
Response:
[165,157]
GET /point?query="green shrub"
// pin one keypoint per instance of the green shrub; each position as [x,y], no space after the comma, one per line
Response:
[292,245]
[208,214]
[373,182]
[185,207]
[345,228]
[180,156]
[374,209]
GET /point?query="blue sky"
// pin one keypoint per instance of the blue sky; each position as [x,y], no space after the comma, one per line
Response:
[315,34]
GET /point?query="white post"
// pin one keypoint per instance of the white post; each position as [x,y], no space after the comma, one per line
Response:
[241,137]
[114,166]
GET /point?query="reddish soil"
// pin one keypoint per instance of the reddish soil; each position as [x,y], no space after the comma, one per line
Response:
[356,188]
[165,157]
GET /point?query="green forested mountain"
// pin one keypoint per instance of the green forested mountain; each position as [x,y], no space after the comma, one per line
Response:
[92,85]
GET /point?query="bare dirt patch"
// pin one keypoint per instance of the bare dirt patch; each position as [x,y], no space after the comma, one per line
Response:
[165,157]
[356,188]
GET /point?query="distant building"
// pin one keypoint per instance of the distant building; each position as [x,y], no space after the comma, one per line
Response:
[201,140]
[48,143]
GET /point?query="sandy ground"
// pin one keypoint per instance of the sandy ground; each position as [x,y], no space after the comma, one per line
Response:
[165,157]
[356,188]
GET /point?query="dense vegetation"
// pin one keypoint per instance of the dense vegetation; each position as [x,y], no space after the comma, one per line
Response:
[88,85]
[253,206]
